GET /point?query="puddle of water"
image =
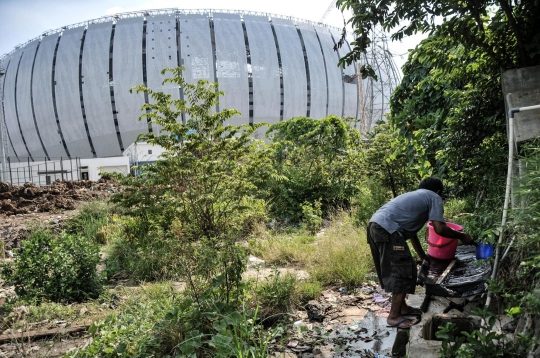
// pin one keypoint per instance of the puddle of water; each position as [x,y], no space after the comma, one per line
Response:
[364,337]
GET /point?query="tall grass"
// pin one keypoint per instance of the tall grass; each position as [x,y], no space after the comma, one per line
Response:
[92,217]
[340,255]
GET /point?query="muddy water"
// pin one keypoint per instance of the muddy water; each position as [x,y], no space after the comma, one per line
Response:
[364,337]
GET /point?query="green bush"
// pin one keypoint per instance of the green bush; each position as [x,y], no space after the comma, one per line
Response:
[57,268]
[371,196]
[275,295]
[315,159]
[145,252]
[311,216]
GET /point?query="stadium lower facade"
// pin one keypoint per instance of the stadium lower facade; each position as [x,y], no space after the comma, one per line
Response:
[66,93]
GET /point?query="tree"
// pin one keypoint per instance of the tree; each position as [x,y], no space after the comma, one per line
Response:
[514,35]
[449,112]
[316,160]
[386,162]
[209,169]
[192,205]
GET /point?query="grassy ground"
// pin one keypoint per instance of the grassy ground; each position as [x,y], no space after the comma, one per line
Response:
[338,255]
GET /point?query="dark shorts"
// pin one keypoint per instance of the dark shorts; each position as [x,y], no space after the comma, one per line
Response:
[393,260]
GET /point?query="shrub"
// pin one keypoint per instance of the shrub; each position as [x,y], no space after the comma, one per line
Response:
[311,216]
[60,269]
[371,196]
[275,295]
[208,177]
[145,256]
[315,159]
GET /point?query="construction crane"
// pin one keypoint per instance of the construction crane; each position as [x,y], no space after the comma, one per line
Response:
[332,5]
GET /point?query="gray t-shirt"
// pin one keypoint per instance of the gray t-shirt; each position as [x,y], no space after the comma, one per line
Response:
[407,213]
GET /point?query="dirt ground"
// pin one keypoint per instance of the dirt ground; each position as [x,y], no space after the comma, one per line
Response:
[23,206]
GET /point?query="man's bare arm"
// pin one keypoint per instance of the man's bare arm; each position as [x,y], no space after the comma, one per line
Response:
[418,247]
[445,231]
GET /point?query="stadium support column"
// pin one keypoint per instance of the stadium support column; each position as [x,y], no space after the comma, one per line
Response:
[3,145]
[3,139]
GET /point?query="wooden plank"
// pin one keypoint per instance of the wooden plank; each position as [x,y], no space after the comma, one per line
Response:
[445,273]
[29,335]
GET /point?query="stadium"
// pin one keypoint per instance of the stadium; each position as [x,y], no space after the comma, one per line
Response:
[65,94]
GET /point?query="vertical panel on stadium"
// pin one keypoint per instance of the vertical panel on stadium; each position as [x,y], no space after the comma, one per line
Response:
[128,72]
[196,48]
[67,94]
[350,84]
[5,64]
[95,86]
[43,98]
[294,70]
[12,125]
[317,72]
[335,82]
[161,53]
[264,68]
[231,66]
[24,102]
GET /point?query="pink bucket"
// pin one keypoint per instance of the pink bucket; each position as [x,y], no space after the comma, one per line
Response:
[441,247]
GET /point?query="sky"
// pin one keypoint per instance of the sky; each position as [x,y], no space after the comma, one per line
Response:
[23,20]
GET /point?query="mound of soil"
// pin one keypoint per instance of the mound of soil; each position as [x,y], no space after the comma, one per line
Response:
[27,205]
[60,195]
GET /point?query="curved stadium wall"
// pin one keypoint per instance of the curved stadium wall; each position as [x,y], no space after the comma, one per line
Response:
[66,93]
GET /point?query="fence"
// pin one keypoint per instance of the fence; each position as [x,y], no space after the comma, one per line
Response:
[41,172]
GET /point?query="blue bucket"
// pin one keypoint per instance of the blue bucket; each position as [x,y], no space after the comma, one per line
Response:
[484,251]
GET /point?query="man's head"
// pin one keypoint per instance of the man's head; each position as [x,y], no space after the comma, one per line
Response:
[433,184]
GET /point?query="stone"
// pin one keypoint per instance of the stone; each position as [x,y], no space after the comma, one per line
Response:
[316,311]
[255,262]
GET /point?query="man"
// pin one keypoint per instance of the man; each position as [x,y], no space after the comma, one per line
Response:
[389,229]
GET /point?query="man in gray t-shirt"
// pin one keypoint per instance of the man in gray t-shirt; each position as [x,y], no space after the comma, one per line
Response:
[389,229]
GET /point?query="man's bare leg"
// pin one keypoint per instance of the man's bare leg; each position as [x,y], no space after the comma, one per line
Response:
[398,301]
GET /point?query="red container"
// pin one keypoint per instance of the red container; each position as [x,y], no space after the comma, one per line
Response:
[441,247]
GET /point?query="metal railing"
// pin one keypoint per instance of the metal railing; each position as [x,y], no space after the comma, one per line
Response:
[172,11]
[41,172]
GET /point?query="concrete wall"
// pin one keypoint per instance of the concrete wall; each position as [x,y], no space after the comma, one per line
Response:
[45,172]
[141,152]
[521,88]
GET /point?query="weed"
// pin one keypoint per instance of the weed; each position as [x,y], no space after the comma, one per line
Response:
[92,217]
[308,290]
[275,295]
[482,342]
[340,255]
[60,269]
[282,249]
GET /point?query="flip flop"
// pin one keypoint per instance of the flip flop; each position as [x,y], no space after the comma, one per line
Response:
[413,311]
[403,320]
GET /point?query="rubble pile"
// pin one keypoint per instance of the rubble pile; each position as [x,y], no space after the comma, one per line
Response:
[341,323]
[60,195]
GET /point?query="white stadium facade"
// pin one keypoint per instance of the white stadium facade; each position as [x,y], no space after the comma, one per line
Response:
[66,93]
